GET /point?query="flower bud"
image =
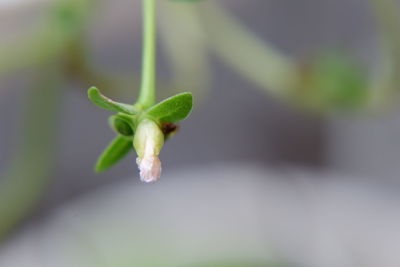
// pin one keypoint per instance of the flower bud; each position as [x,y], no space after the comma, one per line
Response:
[148,142]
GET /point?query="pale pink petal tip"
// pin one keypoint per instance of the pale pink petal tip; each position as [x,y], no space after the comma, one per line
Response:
[150,169]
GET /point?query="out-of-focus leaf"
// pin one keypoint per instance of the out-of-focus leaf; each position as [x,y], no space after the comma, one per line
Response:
[172,109]
[115,151]
[334,81]
[104,102]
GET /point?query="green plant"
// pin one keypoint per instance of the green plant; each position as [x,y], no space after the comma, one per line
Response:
[145,124]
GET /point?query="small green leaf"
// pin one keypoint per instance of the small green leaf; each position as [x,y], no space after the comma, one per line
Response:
[104,102]
[122,124]
[115,151]
[172,109]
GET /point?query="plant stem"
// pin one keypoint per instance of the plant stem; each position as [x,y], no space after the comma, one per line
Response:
[147,90]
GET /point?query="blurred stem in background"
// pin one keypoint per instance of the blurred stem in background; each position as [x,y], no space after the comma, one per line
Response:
[330,81]
[387,78]
[29,170]
[246,53]
[185,46]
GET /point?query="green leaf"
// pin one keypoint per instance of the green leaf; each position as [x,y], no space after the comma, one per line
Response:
[115,151]
[122,124]
[104,102]
[172,109]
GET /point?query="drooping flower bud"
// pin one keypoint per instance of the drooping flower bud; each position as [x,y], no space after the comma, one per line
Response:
[148,142]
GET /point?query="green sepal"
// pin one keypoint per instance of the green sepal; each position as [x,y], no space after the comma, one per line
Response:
[115,151]
[172,109]
[104,102]
[123,124]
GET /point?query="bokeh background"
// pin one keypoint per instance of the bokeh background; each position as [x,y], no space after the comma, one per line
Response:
[259,175]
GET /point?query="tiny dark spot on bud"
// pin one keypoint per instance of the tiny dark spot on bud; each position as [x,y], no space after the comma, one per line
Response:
[169,128]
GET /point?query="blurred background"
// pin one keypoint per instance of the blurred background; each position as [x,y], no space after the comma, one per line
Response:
[290,157]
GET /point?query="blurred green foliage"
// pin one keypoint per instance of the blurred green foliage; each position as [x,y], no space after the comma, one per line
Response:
[332,81]
[58,50]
